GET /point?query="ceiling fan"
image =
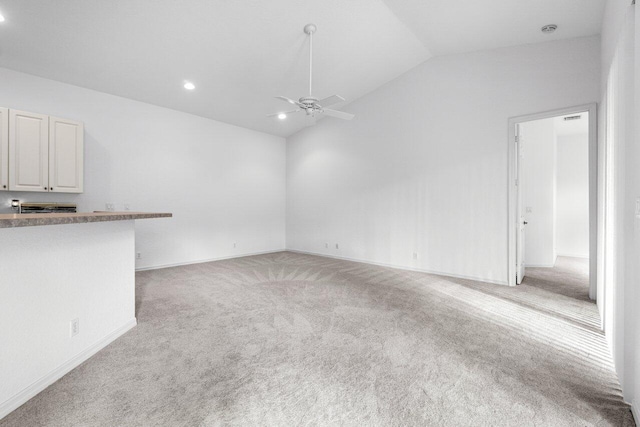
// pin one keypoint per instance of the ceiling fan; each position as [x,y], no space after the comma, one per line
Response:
[310,104]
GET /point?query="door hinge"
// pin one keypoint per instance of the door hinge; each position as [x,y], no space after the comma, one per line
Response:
[516,182]
[517,138]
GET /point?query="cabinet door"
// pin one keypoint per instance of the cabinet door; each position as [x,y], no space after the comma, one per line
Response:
[4,149]
[66,155]
[28,151]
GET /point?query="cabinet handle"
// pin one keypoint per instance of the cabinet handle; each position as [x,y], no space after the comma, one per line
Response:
[45,188]
[51,188]
[4,186]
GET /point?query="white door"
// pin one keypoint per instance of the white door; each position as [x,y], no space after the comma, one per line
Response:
[520,223]
[66,155]
[28,151]
[4,149]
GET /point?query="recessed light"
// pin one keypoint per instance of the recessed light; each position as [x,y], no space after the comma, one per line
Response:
[282,116]
[548,29]
[189,86]
[1,18]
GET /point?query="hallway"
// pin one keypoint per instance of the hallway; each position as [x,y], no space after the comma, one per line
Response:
[569,277]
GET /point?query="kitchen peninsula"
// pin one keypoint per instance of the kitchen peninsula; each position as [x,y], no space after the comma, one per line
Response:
[31,220]
[67,290]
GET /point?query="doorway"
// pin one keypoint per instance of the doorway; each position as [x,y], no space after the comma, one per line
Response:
[552,197]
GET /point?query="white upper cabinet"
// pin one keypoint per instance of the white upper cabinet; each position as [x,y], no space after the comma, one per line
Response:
[40,153]
[66,154]
[28,151]
[4,149]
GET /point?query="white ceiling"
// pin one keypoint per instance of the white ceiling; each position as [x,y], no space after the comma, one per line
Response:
[241,54]
[449,27]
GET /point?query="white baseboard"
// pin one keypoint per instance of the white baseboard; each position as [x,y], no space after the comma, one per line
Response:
[402,267]
[634,411]
[582,256]
[179,264]
[36,387]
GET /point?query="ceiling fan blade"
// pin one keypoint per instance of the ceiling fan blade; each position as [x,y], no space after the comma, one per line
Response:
[330,100]
[338,114]
[290,101]
[282,112]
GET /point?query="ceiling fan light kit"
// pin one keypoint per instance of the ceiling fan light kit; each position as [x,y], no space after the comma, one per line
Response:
[310,104]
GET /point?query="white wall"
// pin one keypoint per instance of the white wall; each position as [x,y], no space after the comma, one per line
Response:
[423,166]
[224,184]
[572,195]
[82,271]
[539,186]
[632,357]
[619,151]
[633,315]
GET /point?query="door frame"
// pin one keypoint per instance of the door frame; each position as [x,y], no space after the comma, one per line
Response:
[592,109]
[520,222]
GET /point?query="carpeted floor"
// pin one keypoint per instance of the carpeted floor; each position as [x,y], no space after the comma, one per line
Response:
[569,277]
[288,339]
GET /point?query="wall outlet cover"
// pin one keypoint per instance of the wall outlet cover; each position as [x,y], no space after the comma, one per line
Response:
[75,327]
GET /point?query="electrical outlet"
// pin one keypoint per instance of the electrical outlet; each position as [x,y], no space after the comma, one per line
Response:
[110,207]
[415,255]
[337,246]
[138,255]
[326,245]
[127,207]
[234,244]
[75,327]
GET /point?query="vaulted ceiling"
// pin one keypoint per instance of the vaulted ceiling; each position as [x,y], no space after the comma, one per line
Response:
[240,54]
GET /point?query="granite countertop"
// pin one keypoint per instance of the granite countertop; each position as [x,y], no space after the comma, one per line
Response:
[32,220]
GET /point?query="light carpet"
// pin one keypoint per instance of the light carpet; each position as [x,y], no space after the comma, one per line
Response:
[289,339]
[569,277]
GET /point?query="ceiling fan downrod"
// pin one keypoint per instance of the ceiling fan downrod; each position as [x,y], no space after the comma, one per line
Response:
[310,29]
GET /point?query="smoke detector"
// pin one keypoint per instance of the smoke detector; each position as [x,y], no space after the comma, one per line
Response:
[548,29]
